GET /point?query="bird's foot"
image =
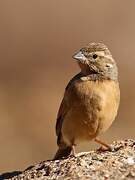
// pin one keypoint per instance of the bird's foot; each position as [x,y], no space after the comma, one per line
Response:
[103,149]
[104,146]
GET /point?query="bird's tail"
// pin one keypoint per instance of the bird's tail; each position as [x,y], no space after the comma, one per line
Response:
[63,152]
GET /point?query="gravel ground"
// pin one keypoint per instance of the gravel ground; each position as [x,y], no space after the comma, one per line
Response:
[113,165]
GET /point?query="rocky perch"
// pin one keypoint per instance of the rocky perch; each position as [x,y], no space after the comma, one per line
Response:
[116,164]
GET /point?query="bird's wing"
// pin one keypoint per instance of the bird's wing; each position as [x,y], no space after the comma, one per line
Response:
[60,117]
[64,107]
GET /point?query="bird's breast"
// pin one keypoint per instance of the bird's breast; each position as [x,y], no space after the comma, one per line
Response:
[93,107]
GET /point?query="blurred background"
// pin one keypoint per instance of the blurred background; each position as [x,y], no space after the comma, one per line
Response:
[37,41]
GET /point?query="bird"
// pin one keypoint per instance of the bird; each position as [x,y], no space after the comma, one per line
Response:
[91,100]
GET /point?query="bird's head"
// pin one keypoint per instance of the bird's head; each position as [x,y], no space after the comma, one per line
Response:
[95,58]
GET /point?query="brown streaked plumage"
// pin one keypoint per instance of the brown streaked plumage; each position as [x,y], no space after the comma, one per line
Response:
[91,99]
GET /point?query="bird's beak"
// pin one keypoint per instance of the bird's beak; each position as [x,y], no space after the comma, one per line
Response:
[79,56]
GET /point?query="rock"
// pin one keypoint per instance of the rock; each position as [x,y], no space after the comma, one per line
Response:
[113,165]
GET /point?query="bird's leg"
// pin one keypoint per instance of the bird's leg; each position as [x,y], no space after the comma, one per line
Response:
[104,146]
[73,153]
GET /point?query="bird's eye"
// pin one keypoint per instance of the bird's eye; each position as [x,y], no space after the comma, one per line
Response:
[95,56]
